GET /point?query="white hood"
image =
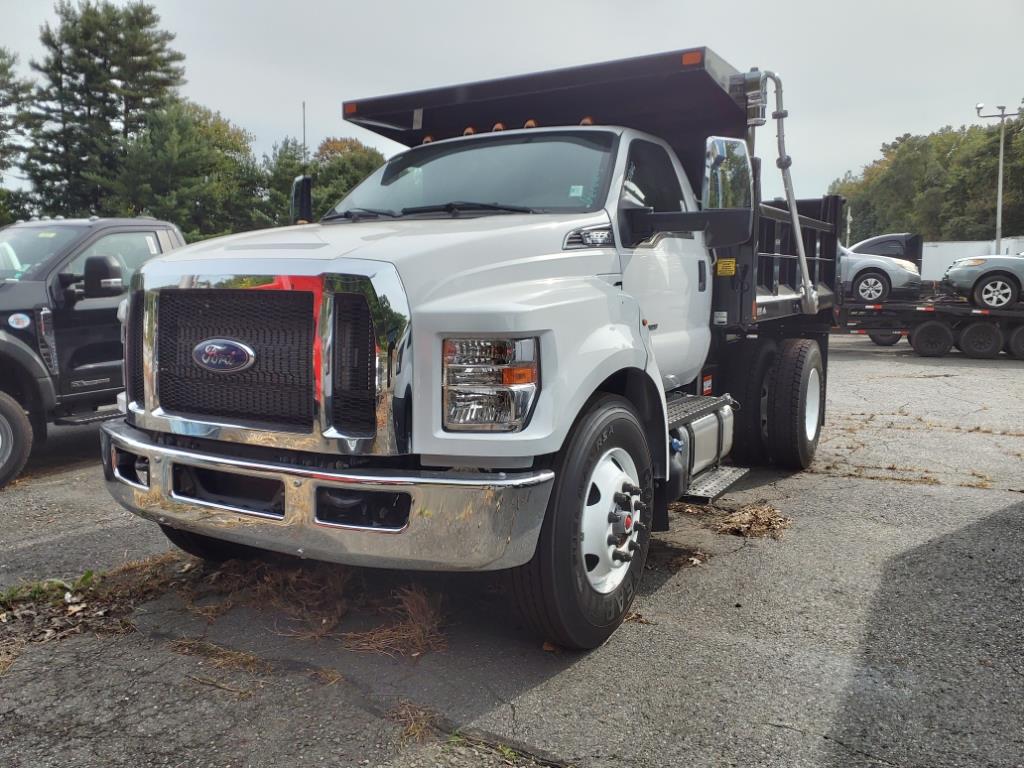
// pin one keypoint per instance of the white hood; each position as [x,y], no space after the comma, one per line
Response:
[434,256]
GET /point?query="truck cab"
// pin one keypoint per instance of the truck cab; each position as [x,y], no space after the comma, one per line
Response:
[61,282]
[509,348]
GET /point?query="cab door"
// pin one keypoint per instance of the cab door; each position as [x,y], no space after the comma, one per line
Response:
[669,273]
[88,333]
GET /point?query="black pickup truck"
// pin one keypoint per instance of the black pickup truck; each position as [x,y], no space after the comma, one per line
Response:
[61,282]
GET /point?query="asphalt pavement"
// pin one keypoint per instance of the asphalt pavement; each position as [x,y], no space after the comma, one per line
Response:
[884,628]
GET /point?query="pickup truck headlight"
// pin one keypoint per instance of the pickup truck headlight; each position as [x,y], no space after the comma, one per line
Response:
[489,385]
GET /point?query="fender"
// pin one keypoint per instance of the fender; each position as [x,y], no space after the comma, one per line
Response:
[588,330]
[28,362]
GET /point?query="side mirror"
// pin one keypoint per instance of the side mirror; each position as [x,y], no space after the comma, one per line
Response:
[727,200]
[301,208]
[103,277]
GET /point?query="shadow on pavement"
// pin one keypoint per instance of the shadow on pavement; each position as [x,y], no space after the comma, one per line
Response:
[940,680]
[63,447]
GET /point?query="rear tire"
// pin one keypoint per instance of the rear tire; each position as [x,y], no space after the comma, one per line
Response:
[1015,343]
[15,438]
[871,287]
[995,292]
[750,383]
[566,593]
[207,548]
[885,339]
[796,404]
[981,340]
[932,338]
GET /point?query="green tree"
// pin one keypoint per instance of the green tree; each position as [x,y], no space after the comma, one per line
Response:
[14,205]
[280,168]
[340,165]
[103,67]
[192,167]
[13,91]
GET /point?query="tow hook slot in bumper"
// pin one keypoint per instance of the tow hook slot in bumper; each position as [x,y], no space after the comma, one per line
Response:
[418,520]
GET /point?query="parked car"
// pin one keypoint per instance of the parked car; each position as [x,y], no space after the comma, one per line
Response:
[990,282]
[898,245]
[60,338]
[871,278]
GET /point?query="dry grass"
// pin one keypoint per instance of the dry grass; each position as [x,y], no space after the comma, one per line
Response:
[416,631]
[417,724]
[10,648]
[754,521]
[221,657]
[634,617]
[327,676]
[672,557]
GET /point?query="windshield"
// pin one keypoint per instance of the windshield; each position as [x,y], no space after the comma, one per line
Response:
[24,250]
[556,171]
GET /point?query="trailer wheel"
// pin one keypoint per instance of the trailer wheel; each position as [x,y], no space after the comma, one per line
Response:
[207,548]
[871,287]
[15,438]
[796,404]
[885,339]
[750,379]
[1015,343]
[981,339]
[590,558]
[932,338]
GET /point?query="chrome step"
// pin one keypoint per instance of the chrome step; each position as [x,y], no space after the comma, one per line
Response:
[712,483]
[688,408]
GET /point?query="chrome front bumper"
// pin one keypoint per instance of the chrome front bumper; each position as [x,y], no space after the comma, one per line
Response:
[458,521]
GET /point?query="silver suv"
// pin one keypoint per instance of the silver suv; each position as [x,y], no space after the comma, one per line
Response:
[870,278]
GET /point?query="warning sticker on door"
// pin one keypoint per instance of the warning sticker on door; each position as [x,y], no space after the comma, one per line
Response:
[725,267]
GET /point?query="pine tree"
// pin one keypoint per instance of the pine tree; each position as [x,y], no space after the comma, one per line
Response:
[146,69]
[13,91]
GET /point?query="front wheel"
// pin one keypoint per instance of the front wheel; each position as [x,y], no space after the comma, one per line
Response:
[796,404]
[995,292]
[590,558]
[15,438]
[871,287]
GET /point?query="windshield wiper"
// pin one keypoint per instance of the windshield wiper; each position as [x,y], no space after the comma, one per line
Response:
[359,213]
[454,206]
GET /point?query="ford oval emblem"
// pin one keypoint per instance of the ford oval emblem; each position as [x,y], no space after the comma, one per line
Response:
[223,356]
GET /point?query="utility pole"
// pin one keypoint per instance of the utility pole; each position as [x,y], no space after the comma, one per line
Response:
[304,136]
[1001,117]
[849,221]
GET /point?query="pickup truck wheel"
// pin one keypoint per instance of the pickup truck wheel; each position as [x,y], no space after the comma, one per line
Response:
[15,438]
[796,404]
[981,339]
[884,339]
[932,338]
[871,287]
[995,292]
[750,380]
[1015,343]
[593,545]
[207,548]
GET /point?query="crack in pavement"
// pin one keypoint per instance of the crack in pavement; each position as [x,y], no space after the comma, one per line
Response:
[852,750]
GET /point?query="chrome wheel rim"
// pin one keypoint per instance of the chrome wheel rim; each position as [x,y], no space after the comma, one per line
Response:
[812,413]
[870,288]
[613,472]
[6,441]
[996,294]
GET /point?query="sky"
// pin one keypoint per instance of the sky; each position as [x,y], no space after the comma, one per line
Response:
[856,74]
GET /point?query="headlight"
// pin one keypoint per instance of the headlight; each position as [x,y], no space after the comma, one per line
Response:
[971,262]
[489,385]
[907,265]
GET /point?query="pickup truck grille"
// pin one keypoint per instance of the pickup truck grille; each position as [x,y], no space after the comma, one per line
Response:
[277,390]
[353,405]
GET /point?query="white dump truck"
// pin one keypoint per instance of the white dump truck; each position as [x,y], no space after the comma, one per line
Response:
[510,347]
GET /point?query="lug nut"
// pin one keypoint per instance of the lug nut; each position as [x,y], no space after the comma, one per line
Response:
[639,526]
[633,546]
[622,500]
[614,516]
[623,556]
[613,541]
[640,506]
[630,488]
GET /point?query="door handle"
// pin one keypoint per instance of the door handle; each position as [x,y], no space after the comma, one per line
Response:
[702,275]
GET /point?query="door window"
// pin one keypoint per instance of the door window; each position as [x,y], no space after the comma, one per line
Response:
[651,177]
[132,249]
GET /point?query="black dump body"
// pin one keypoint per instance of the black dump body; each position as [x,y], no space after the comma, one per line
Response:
[680,96]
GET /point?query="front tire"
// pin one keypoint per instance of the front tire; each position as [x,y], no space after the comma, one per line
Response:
[15,438]
[996,292]
[796,404]
[207,548]
[871,287]
[579,585]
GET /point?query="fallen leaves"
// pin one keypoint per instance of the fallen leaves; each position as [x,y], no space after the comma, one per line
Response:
[756,520]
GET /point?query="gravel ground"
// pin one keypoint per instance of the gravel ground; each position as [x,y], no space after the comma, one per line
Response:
[883,628]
